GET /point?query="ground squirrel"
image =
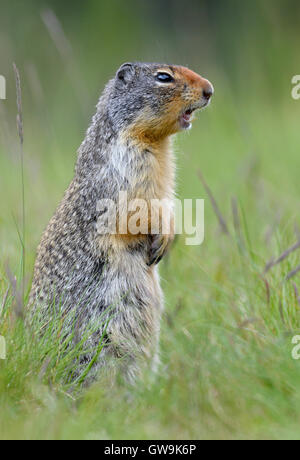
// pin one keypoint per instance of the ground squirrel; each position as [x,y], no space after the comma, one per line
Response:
[114,276]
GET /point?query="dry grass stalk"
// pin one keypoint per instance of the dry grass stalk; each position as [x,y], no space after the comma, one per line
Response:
[283,256]
[297,293]
[19,104]
[57,33]
[237,223]
[268,289]
[17,293]
[64,48]
[247,322]
[215,206]
[292,273]
[21,136]
[281,311]
[4,300]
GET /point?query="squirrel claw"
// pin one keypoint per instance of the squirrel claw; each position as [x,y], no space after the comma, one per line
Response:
[158,249]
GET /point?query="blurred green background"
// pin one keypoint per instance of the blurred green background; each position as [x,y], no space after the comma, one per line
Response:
[226,334]
[66,53]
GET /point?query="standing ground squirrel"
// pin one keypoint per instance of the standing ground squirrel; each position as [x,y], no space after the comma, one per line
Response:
[96,274]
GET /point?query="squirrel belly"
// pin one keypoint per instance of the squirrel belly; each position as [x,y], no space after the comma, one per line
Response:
[105,277]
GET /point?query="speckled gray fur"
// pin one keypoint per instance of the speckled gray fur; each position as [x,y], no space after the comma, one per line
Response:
[72,269]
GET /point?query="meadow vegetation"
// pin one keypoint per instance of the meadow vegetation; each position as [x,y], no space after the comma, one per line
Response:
[232,307]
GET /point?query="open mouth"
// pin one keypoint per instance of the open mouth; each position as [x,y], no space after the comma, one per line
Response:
[185,119]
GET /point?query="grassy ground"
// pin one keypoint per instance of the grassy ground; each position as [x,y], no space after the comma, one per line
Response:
[226,334]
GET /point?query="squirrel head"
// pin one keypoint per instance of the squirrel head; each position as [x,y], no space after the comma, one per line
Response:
[154,101]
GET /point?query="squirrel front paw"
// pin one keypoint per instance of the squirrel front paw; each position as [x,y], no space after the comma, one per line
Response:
[159,245]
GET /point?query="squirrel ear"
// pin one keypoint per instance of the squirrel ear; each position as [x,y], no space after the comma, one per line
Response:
[125,74]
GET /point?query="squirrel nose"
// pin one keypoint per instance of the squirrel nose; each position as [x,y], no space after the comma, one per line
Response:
[208,91]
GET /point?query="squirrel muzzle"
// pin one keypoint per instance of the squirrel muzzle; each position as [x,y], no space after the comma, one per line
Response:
[197,94]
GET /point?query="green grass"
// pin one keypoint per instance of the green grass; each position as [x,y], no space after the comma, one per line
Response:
[227,370]
[226,341]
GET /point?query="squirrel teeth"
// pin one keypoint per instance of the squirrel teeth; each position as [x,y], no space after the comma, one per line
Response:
[185,119]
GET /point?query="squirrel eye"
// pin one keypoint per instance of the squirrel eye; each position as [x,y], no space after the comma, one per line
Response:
[164,77]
